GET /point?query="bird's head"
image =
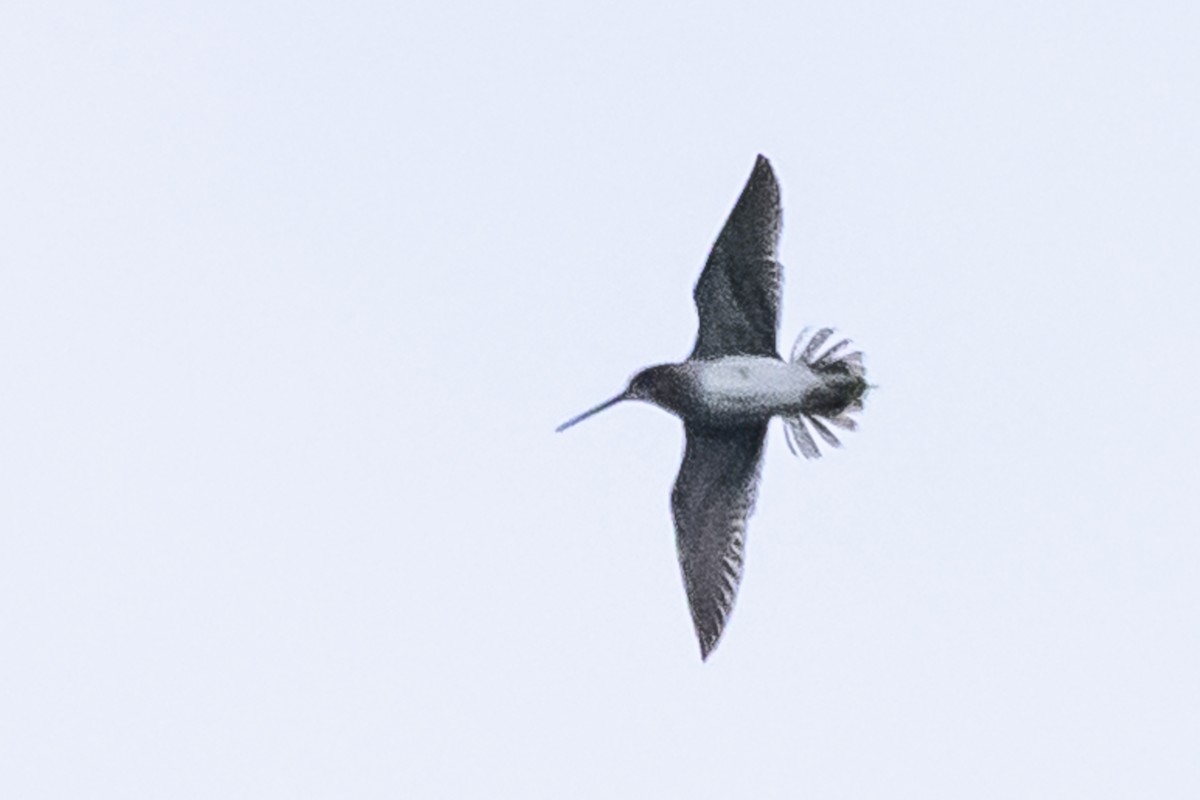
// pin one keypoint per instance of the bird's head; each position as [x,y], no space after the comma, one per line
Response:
[651,384]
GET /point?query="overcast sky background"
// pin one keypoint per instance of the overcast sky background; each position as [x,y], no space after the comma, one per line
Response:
[292,296]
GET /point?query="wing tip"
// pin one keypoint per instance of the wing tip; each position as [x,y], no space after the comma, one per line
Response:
[709,632]
[708,643]
[762,170]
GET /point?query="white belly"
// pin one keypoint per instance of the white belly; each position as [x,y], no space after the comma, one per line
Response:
[751,388]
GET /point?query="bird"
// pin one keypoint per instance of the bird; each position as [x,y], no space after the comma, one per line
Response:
[727,391]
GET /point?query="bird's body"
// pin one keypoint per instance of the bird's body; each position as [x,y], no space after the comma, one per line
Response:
[741,389]
[728,390]
[735,390]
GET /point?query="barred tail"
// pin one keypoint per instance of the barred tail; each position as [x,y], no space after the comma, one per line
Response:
[834,363]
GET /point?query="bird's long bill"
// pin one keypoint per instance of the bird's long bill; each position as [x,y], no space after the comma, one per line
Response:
[606,404]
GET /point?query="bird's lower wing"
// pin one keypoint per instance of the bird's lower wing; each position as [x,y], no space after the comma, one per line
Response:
[713,497]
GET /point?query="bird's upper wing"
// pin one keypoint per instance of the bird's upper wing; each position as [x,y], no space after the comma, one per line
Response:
[713,496]
[737,295]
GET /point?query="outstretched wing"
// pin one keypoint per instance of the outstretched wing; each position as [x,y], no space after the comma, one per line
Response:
[713,497]
[737,295]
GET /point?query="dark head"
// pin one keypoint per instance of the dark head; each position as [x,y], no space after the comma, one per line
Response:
[658,385]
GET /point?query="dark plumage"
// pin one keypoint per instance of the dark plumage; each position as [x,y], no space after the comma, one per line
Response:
[726,392]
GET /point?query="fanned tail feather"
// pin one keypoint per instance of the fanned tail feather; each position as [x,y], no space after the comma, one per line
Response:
[831,361]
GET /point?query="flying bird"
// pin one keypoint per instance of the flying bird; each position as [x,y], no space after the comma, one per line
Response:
[726,393]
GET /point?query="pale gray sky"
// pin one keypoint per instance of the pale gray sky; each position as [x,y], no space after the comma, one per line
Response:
[293,295]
